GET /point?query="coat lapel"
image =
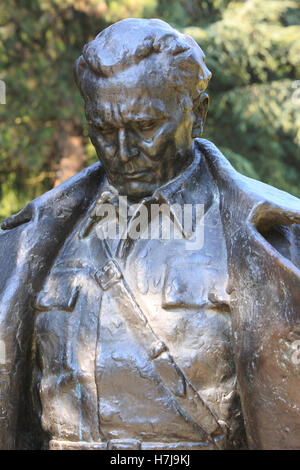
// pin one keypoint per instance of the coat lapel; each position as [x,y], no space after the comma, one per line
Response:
[29,251]
[265,296]
[265,302]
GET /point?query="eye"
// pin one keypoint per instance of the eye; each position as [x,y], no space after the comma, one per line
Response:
[147,125]
[105,130]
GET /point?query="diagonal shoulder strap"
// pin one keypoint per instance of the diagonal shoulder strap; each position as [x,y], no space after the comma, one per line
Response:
[185,397]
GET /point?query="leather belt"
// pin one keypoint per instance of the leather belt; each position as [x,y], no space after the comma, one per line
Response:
[133,444]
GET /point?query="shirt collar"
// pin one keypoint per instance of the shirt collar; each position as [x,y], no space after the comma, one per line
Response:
[192,186]
[177,190]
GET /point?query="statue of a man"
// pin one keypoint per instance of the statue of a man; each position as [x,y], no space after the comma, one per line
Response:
[113,338]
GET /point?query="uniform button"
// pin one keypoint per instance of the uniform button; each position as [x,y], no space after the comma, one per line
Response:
[126,444]
[157,349]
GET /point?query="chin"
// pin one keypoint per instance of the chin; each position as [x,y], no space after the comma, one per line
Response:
[137,190]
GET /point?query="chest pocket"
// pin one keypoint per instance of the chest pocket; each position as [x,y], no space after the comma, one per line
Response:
[195,285]
[60,291]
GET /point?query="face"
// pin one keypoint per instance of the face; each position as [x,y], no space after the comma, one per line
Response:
[141,134]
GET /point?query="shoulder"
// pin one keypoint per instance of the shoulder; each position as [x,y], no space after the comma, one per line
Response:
[68,196]
[275,214]
[31,238]
[259,200]
[231,180]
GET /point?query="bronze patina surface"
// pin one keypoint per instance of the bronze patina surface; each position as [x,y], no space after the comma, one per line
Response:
[116,333]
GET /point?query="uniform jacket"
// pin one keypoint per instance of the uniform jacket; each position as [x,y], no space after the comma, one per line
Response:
[263,248]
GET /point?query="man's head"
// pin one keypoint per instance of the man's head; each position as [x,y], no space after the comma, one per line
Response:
[143,84]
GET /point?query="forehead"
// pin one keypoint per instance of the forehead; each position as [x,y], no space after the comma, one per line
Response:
[136,92]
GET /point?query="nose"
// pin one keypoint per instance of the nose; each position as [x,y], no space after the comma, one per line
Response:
[125,152]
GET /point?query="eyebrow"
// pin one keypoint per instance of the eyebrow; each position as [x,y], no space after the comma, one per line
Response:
[147,114]
[131,118]
[146,117]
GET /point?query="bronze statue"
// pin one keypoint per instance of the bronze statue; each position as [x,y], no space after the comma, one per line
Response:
[142,342]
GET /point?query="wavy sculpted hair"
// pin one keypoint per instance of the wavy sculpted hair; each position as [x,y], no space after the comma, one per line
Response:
[130,41]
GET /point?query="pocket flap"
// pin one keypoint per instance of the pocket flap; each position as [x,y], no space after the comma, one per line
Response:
[60,291]
[194,285]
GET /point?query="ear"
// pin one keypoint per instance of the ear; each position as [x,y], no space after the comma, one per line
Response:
[200,110]
[80,67]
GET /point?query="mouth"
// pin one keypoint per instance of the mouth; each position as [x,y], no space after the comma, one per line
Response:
[133,174]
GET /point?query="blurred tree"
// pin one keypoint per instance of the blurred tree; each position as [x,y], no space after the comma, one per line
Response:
[43,130]
[252,48]
[183,13]
[253,52]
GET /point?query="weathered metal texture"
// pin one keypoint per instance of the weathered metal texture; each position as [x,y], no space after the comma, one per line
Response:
[263,260]
[141,343]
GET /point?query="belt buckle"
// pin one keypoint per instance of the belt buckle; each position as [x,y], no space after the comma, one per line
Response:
[108,275]
[123,444]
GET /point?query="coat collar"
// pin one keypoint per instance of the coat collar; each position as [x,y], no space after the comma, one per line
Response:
[264,204]
[193,186]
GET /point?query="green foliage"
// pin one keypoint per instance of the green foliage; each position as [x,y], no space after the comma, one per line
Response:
[263,127]
[252,48]
[117,10]
[254,55]
[184,13]
[39,42]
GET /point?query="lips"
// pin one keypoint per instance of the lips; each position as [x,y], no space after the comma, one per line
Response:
[132,175]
